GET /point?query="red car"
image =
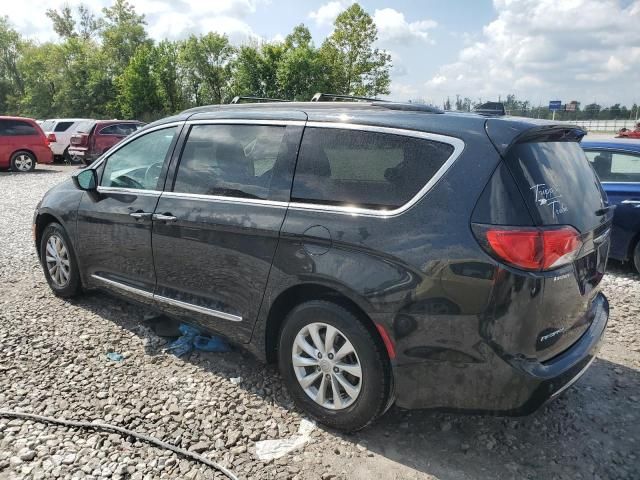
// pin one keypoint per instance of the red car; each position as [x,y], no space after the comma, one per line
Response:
[22,144]
[95,137]
[626,133]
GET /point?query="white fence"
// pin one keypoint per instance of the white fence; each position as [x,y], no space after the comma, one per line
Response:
[604,125]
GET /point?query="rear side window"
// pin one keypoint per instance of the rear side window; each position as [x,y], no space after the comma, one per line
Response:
[17,128]
[557,182]
[85,127]
[47,125]
[230,160]
[615,166]
[122,129]
[365,169]
[62,126]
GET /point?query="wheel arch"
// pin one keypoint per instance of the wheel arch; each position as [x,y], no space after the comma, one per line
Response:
[293,296]
[42,220]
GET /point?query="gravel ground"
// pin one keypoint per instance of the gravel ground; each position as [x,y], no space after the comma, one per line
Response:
[53,362]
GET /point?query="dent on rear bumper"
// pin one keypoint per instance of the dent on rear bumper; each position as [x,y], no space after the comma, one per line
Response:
[498,385]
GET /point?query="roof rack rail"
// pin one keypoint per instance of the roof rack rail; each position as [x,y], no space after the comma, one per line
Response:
[408,107]
[239,99]
[334,97]
[491,108]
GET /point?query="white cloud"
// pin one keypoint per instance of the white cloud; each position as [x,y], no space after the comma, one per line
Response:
[540,49]
[165,18]
[327,13]
[393,27]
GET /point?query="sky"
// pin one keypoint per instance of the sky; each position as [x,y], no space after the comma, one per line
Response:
[539,50]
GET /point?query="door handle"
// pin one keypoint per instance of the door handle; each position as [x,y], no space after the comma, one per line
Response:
[164,217]
[140,214]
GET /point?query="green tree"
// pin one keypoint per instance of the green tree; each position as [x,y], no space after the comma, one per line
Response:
[63,23]
[41,80]
[247,72]
[67,26]
[137,88]
[352,64]
[205,62]
[298,72]
[11,50]
[166,67]
[255,70]
[592,111]
[123,32]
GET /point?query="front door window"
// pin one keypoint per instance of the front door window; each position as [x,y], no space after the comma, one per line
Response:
[138,164]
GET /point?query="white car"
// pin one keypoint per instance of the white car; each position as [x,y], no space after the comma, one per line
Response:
[62,129]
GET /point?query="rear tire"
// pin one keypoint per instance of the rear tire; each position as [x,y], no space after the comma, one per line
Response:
[59,261]
[66,158]
[362,378]
[636,257]
[23,161]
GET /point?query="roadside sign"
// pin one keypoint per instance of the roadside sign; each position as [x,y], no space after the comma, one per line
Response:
[555,105]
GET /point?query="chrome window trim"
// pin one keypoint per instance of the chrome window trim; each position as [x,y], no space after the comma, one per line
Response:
[130,139]
[129,191]
[456,143]
[198,308]
[241,121]
[122,286]
[170,301]
[223,199]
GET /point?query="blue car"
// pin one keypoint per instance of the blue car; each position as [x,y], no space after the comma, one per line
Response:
[617,163]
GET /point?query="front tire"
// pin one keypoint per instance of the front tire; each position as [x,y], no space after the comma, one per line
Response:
[333,366]
[59,262]
[23,161]
[636,257]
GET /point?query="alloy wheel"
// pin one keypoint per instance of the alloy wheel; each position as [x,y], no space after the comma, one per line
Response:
[23,162]
[327,366]
[58,261]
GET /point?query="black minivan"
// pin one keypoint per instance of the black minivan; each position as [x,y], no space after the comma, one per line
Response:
[380,252]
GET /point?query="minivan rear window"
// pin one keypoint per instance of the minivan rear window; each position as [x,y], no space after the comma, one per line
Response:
[558,184]
[365,169]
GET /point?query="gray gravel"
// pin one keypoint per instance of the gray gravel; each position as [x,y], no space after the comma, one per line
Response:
[53,362]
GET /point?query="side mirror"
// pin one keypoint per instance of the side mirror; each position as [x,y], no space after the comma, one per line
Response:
[86,179]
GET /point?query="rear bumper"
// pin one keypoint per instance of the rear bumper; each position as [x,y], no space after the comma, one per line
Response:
[508,386]
[81,154]
[45,156]
[57,148]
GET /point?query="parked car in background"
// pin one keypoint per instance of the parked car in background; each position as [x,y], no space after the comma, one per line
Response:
[23,144]
[59,132]
[94,137]
[377,251]
[617,163]
[627,133]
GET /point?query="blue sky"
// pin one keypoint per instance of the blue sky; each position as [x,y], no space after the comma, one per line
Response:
[585,50]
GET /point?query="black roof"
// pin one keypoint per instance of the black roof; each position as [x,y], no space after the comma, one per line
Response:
[502,130]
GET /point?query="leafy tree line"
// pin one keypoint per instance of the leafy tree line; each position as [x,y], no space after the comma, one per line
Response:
[107,66]
[524,108]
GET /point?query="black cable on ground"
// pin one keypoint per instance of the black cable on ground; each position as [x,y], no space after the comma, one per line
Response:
[123,431]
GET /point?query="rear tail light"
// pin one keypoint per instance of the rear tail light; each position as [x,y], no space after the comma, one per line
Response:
[80,139]
[51,137]
[530,248]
